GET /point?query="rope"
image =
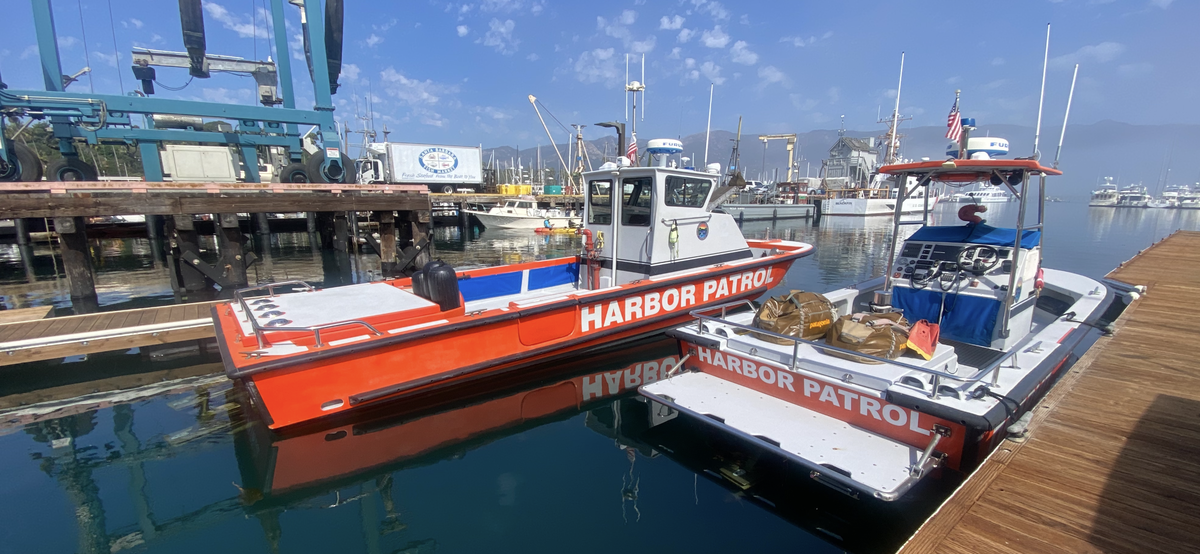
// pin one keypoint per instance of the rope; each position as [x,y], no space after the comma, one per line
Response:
[116,55]
[86,55]
[176,89]
[564,127]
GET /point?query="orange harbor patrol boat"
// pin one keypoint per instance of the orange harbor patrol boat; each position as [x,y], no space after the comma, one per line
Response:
[305,354]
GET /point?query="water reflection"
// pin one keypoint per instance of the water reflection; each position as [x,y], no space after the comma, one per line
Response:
[503,470]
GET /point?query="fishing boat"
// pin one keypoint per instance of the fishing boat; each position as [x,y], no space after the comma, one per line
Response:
[854,186]
[873,426]
[783,201]
[1105,196]
[524,214]
[651,253]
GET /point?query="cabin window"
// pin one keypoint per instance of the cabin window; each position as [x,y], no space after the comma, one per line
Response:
[600,202]
[635,209]
[688,192]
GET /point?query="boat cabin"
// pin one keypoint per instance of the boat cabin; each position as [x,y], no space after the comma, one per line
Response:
[659,222]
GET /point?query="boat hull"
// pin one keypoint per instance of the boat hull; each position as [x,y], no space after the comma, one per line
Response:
[324,381]
[861,207]
[503,221]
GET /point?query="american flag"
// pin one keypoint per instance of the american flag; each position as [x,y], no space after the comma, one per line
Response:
[631,152]
[954,123]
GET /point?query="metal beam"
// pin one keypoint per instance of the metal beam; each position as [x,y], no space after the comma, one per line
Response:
[89,105]
[94,205]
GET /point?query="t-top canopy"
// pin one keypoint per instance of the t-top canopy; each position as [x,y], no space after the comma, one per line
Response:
[978,234]
[934,167]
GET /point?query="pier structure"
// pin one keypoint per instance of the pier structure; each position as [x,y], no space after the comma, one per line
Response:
[1111,460]
[172,210]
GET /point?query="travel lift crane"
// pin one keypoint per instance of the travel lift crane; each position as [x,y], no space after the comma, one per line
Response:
[105,118]
[791,148]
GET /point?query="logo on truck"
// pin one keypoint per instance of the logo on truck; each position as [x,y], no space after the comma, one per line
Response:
[438,160]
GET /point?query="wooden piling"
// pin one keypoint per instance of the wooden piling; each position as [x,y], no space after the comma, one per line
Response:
[229,241]
[387,242]
[22,228]
[77,263]
[421,222]
[262,224]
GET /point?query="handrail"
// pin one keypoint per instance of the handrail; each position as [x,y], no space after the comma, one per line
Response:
[259,331]
[796,341]
[686,220]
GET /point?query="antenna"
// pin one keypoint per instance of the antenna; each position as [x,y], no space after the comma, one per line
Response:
[708,129]
[896,113]
[1058,152]
[626,97]
[643,87]
[1037,133]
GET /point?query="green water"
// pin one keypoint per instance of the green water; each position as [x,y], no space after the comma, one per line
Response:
[181,465]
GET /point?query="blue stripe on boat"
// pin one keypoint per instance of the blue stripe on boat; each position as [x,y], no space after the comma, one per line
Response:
[543,277]
[490,286]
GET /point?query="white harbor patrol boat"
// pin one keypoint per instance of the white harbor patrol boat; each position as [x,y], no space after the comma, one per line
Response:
[875,426]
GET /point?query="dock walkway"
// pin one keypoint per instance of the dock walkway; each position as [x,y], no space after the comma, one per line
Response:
[58,337]
[1112,463]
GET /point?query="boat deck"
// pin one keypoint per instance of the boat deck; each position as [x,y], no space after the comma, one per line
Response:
[1112,463]
[58,337]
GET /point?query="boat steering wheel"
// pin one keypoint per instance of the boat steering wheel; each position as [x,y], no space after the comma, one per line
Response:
[978,259]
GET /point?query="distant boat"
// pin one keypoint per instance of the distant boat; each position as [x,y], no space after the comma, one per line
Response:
[524,214]
[1133,196]
[986,195]
[1105,196]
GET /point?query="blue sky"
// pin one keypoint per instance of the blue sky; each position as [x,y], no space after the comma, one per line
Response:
[460,73]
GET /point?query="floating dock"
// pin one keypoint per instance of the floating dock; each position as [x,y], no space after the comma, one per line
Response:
[59,337]
[1112,459]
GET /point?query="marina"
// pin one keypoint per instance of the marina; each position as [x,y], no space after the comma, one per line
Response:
[267,284]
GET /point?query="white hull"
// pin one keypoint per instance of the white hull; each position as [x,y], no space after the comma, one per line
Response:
[751,212]
[505,221]
[873,206]
[1103,203]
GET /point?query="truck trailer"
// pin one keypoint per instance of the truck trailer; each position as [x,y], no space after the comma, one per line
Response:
[442,168]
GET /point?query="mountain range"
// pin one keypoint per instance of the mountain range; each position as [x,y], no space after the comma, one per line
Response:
[1128,153]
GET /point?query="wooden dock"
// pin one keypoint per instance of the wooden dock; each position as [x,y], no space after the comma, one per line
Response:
[59,337]
[1112,463]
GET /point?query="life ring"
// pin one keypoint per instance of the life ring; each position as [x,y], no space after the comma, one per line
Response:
[1040,280]
[967,213]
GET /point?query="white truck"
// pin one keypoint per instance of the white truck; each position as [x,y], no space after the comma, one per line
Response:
[442,168]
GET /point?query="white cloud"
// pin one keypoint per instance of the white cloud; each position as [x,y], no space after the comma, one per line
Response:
[745,19]
[712,72]
[29,52]
[413,92]
[769,75]
[685,35]
[994,84]
[670,23]
[494,113]
[462,30]
[642,46]
[135,22]
[385,26]
[500,5]
[226,96]
[1099,53]
[834,94]
[954,80]
[243,25]
[714,9]
[800,42]
[997,61]
[350,72]
[109,59]
[743,55]
[532,57]
[500,36]
[715,38]
[674,55]
[1164,4]
[67,42]
[598,66]
[373,40]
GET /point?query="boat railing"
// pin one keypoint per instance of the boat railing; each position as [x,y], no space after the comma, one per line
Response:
[260,331]
[701,316]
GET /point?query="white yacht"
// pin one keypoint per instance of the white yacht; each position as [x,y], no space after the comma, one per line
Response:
[986,195]
[1190,199]
[854,187]
[524,214]
[1106,195]
[1133,196]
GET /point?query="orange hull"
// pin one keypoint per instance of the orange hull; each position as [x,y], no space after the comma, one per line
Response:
[321,381]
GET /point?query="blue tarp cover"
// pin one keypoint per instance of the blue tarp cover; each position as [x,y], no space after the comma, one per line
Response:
[977,234]
[969,319]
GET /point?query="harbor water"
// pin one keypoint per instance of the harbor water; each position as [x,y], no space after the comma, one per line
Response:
[560,460]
